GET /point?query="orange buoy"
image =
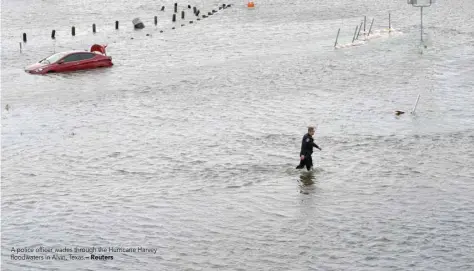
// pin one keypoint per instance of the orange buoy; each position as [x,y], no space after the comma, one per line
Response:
[250,4]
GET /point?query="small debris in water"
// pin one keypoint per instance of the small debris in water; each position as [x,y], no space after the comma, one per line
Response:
[398,112]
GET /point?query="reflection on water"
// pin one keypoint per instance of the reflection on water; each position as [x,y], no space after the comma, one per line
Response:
[307,180]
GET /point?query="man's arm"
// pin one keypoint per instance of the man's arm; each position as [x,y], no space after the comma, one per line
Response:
[314,144]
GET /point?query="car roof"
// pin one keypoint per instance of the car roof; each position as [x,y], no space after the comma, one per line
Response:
[76,51]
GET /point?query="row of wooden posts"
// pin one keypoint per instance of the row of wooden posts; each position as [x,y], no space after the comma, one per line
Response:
[358,29]
[195,11]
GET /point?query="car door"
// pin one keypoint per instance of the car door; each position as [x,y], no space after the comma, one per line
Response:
[70,62]
[87,61]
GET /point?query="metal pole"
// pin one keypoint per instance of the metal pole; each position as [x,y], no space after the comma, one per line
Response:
[360,27]
[335,44]
[421,24]
[365,20]
[414,108]
[389,23]
[355,33]
[370,29]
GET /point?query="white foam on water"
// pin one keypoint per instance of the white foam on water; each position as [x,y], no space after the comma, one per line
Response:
[364,38]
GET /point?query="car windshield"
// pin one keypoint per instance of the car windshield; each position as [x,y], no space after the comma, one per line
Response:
[53,58]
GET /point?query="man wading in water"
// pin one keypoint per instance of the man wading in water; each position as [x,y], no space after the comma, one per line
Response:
[307,149]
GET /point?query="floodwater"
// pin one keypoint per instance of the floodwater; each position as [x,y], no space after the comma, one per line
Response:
[188,144]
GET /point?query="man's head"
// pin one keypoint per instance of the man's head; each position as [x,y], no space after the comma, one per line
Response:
[311,130]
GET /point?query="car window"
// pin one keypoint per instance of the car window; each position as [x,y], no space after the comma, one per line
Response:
[72,57]
[78,57]
[86,55]
[53,58]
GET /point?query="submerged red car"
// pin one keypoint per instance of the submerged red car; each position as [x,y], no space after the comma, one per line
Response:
[72,61]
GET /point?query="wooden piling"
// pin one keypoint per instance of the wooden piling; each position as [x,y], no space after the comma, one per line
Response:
[174,18]
[337,37]
[175,7]
[182,15]
[116,25]
[24,37]
[156,20]
[73,31]
[93,28]
[53,34]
